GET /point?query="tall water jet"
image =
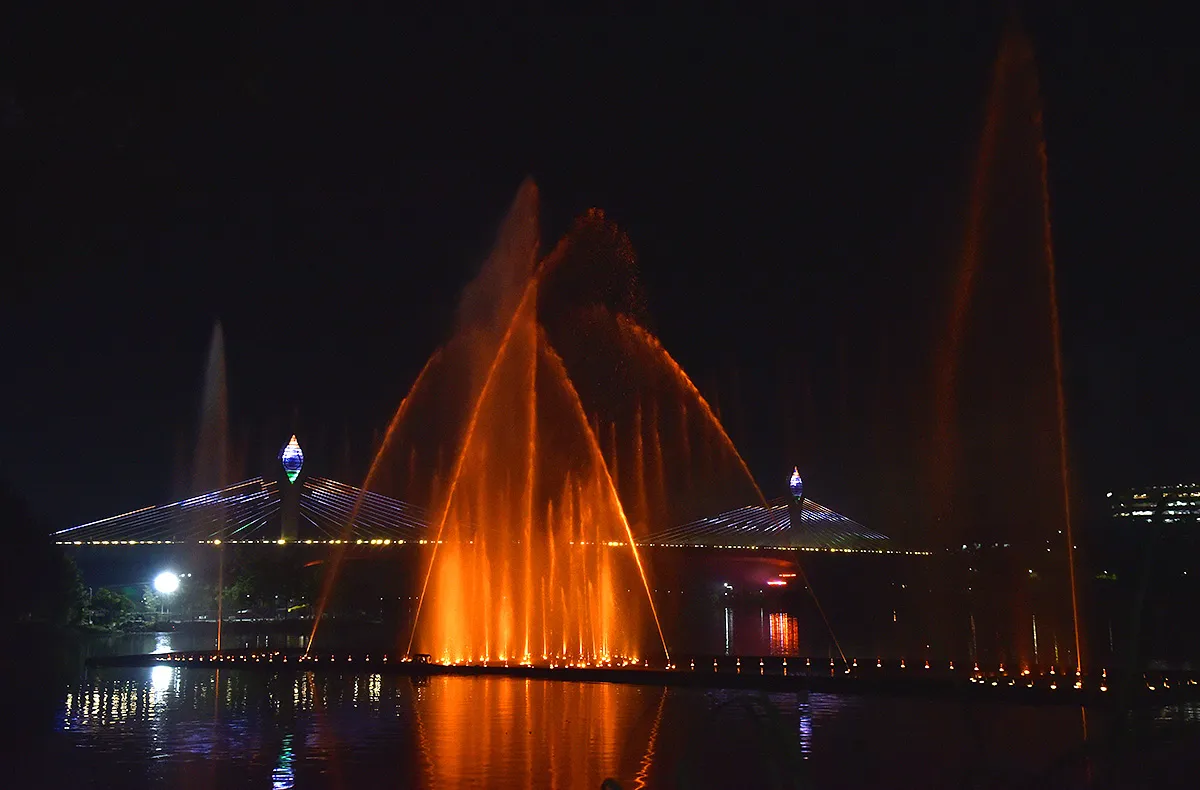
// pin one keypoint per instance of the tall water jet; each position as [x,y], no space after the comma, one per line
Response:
[1000,423]
[210,465]
[1060,397]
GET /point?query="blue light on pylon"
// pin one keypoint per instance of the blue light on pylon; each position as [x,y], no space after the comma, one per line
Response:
[795,484]
[292,458]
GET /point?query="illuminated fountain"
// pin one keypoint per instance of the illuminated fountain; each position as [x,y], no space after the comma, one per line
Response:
[1000,475]
[543,437]
[211,464]
[534,556]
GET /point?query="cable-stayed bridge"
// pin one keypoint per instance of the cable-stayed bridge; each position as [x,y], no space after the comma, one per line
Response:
[257,511]
[781,523]
[253,512]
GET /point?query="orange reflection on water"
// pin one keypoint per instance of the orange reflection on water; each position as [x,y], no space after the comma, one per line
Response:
[533,733]
[785,634]
[640,781]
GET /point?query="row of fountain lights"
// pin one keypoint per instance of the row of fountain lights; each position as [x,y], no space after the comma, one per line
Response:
[829,550]
[307,542]
[977,676]
[556,662]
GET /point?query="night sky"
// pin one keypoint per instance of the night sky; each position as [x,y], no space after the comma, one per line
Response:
[326,186]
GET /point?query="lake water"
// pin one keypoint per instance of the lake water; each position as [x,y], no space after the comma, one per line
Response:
[197,728]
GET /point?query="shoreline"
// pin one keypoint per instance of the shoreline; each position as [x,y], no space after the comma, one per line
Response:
[775,678]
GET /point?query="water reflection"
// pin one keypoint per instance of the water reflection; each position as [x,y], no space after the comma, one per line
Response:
[804,712]
[785,634]
[728,631]
[162,643]
[566,733]
[282,777]
[156,727]
[640,781]
[160,678]
[1188,712]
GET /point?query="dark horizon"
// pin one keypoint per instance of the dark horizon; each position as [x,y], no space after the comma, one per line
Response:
[326,188]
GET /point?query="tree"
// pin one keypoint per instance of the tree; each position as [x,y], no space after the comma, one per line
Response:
[69,597]
[243,592]
[153,603]
[38,581]
[110,608]
[194,598]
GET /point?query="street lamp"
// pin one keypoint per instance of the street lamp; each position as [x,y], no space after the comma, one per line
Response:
[166,583]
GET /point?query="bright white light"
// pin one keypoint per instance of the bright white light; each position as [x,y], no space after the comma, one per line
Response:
[160,677]
[166,582]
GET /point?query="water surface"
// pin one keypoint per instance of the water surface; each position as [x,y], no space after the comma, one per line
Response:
[200,728]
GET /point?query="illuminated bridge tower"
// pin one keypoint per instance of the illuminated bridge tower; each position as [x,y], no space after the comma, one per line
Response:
[796,501]
[291,457]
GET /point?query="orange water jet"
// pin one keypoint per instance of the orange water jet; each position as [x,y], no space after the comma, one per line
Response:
[527,537]
[598,456]
[462,453]
[331,570]
[660,475]
[945,394]
[1059,394]
[499,570]
[651,342]
[1009,198]
[639,456]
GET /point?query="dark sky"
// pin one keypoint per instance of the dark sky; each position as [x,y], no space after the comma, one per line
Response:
[325,186]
